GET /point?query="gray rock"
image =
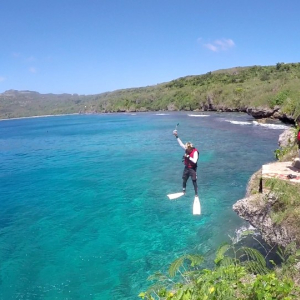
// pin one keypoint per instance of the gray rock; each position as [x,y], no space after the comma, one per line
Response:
[256,210]
[287,138]
[261,112]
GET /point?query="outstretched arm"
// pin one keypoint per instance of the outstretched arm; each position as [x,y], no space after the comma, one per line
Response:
[181,144]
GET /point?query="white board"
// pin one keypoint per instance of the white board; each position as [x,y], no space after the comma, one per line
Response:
[196,206]
[175,196]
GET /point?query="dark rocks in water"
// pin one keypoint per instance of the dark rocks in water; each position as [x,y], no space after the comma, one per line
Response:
[261,112]
[286,119]
[266,112]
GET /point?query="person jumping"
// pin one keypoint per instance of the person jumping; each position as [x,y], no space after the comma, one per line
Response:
[191,156]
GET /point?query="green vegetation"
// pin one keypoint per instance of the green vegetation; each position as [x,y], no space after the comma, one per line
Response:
[238,273]
[286,207]
[231,89]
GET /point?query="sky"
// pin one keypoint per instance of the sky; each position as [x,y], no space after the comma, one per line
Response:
[95,46]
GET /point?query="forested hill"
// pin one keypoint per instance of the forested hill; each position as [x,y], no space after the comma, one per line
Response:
[274,88]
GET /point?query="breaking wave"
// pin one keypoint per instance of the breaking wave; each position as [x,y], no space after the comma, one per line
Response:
[271,126]
[239,122]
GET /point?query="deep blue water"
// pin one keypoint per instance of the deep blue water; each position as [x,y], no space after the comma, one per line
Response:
[83,207]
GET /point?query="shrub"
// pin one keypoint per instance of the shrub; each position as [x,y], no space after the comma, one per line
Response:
[238,274]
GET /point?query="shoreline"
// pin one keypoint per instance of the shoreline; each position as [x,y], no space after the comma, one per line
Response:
[41,116]
[258,120]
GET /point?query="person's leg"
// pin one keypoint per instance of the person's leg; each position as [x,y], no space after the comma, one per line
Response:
[194,178]
[195,187]
[185,177]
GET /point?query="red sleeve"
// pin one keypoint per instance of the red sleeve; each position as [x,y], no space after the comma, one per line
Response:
[298,137]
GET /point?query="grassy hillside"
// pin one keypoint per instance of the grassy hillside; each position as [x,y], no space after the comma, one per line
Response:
[231,89]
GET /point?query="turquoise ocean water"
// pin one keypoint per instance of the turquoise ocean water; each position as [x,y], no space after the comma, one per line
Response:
[83,209]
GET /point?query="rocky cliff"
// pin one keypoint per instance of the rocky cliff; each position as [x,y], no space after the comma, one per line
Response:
[259,203]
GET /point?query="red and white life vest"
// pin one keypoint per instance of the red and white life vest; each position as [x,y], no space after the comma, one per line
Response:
[188,162]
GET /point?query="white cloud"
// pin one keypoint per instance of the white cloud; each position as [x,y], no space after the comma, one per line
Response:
[211,47]
[32,70]
[220,45]
[2,78]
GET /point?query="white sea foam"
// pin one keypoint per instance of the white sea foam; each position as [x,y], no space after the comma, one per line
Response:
[161,114]
[241,232]
[271,126]
[239,122]
[198,115]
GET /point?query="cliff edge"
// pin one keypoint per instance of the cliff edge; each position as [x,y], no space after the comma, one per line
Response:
[272,196]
